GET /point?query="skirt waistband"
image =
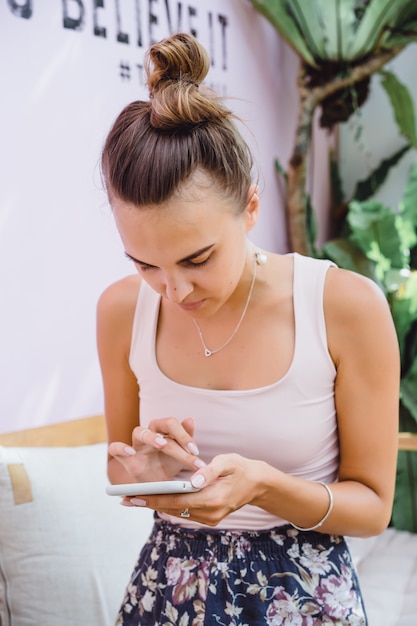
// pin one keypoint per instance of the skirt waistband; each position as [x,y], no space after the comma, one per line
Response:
[267,544]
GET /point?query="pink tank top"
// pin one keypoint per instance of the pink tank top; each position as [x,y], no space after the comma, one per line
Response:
[290,424]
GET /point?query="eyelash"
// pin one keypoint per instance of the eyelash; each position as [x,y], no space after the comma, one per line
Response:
[198,264]
[145,268]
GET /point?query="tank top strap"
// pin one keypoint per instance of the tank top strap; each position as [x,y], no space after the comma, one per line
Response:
[308,295]
[144,324]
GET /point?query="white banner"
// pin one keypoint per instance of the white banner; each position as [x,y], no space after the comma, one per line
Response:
[67,67]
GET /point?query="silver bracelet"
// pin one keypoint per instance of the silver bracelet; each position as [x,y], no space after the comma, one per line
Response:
[329,510]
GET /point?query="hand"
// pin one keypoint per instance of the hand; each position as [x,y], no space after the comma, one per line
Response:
[160,451]
[227,483]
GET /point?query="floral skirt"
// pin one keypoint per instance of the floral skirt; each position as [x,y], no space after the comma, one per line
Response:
[206,577]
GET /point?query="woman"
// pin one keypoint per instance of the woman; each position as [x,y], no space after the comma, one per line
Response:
[271,380]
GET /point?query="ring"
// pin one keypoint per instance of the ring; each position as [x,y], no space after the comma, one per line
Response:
[145,430]
[185,513]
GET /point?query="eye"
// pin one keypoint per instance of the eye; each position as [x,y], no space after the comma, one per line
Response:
[143,267]
[197,263]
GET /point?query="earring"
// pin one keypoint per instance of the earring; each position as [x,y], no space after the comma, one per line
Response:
[260,258]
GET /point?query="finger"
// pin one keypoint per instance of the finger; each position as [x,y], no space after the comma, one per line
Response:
[182,432]
[221,465]
[188,425]
[120,449]
[145,436]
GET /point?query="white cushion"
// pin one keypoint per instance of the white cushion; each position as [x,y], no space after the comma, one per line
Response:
[387,570]
[68,549]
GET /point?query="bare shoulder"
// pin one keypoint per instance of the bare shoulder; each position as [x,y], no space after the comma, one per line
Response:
[350,294]
[115,311]
[120,297]
[357,314]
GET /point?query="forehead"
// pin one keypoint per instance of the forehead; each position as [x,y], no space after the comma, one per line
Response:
[195,216]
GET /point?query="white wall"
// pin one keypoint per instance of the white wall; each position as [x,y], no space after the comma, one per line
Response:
[61,88]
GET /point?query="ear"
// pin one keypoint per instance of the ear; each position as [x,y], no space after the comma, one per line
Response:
[252,207]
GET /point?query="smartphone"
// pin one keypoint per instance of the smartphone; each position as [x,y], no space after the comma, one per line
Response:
[151,488]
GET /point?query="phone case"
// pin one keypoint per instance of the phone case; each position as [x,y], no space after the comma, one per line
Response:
[151,488]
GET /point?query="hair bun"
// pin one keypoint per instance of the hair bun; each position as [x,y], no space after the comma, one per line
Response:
[179,58]
[175,67]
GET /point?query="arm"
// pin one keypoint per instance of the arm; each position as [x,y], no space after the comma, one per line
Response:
[364,348]
[133,458]
[115,312]
[363,344]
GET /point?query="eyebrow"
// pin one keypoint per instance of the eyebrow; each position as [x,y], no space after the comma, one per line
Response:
[190,257]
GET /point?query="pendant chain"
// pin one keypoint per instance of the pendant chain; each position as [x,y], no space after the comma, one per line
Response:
[259,259]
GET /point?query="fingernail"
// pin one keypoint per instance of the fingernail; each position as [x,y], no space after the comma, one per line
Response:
[198,480]
[126,503]
[138,501]
[193,448]
[160,440]
[199,463]
[129,450]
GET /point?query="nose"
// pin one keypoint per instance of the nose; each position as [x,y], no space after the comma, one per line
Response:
[177,289]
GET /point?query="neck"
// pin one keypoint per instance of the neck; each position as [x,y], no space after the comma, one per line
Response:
[259,259]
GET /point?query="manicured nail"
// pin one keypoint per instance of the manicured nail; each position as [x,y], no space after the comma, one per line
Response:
[129,450]
[160,440]
[198,480]
[199,463]
[193,448]
[138,501]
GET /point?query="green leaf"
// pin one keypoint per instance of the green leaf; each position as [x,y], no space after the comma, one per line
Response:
[371,26]
[366,188]
[404,514]
[402,105]
[408,202]
[403,303]
[409,391]
[408,236]
[306,15]
[379,15]
[276,12]
[400,38]
[374,230]
[348,256]
[337,30]
[280,169]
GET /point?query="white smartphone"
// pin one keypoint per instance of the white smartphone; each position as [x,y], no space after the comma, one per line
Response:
[151,488]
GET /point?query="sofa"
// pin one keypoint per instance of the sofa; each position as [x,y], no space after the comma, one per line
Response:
[67,549]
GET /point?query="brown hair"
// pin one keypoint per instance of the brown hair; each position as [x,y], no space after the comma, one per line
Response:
[154,146]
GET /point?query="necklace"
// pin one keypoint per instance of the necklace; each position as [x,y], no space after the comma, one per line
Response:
[259,259]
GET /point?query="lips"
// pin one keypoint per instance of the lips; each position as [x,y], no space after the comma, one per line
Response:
[191,306]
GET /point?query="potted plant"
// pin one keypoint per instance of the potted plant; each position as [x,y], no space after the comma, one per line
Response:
[342,44]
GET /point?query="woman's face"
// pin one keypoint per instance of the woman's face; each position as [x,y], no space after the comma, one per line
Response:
[192,249]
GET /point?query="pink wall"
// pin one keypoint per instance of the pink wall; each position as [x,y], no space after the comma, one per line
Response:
[65,75]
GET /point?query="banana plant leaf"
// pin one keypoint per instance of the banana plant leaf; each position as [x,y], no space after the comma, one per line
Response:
[346,254]
[341,30]
[380,19]
[374,230]
[408,202]
[402,105]
[403,303]
[275,11]
[366,188]
[404,514]
[408,393]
